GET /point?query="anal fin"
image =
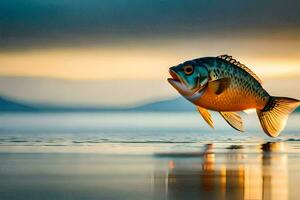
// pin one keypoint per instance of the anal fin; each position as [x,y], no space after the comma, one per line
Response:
[234,120]
[206,116]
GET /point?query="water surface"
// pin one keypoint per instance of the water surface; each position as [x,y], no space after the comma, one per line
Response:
[144,156]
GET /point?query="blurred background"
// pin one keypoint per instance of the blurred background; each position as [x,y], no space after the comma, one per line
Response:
[59,57]
[117,53]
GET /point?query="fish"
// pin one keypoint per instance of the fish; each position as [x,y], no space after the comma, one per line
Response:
[225,85]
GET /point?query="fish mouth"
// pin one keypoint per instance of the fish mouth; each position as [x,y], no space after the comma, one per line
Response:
[177,83]
[175,80]
[174,75]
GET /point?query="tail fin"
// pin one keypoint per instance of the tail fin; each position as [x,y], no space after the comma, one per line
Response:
[274,116]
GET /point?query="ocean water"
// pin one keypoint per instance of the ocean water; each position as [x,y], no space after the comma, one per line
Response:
[144,156]
[33,132]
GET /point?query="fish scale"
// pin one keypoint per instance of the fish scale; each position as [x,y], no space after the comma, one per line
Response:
[244,91]
[225,85]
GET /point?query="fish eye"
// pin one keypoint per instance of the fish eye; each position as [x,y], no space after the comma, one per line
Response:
[188,70]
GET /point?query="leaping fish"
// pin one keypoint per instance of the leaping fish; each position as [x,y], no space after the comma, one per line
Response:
[225,85]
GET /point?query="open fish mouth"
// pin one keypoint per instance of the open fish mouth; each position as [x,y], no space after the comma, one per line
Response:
[174,75]
[177,83]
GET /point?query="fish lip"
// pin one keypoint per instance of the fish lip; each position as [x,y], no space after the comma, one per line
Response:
[174,83]
[174,80]
[191,94]
[174,75]
[177,83]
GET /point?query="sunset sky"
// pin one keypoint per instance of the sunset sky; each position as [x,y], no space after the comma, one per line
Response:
[138,40]
[149,61]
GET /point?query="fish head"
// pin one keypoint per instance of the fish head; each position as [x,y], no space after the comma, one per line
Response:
[189,79]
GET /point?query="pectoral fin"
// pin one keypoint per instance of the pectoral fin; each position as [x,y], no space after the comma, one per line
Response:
[206,116]
[218,86]
[234,120]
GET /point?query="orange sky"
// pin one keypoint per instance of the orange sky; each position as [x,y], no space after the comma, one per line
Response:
[104,41]
[140,67]
[149,60]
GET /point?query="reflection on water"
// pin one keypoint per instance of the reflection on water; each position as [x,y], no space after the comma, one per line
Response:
[219,171]
[114,156]
[234,174]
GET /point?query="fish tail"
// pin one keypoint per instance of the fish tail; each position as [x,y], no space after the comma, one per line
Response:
[274,115]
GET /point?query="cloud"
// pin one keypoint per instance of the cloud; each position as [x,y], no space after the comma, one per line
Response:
[47,23]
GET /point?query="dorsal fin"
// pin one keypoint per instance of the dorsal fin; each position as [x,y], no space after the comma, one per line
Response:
[240,65]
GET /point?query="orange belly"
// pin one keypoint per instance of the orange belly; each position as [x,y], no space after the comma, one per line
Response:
[232,99]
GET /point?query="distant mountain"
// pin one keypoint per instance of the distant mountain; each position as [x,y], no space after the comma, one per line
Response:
[179,105]
[9,105]
[58,94]
[82,93]
[172,105]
